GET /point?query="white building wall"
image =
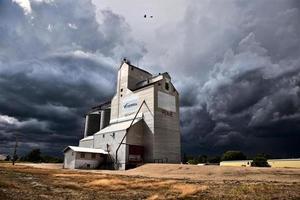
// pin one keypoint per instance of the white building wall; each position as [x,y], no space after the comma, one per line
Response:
[87,143]
[82,163]
[69,159]
[110,142]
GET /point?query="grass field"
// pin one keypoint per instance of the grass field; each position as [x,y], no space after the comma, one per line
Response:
[151,181]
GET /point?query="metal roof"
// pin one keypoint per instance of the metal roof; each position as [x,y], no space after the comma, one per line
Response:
[87,138]
[85,150]
[118,126]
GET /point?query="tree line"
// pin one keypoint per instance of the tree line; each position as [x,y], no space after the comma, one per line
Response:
[260,160]
[35,156]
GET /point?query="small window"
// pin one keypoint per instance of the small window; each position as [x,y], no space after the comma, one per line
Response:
[113,135]
[93,155]
[121,89]
[82,155]
[167,86]
[131,68]
[72,153]
[121,95]
[159,84]
[103,136]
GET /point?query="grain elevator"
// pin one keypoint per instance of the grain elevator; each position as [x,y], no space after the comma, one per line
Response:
[139,125]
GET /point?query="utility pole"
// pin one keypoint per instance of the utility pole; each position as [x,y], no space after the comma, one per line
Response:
[15,151]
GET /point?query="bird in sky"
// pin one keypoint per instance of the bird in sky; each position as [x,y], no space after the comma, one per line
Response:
[145,16]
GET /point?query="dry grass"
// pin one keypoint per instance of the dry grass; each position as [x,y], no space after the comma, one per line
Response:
[156,197]
[189,189]
[69,175]
[112,184]
[24,182]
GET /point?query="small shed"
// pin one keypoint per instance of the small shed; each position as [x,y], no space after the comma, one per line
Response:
[285,163]
[237,163]
[83,158]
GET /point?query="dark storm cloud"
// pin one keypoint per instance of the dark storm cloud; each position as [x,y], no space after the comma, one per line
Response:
[252,94]
[55,63]
[235,63]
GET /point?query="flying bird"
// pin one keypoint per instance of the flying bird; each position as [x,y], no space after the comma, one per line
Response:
[145,16]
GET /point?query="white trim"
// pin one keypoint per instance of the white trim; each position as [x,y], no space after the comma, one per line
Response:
[117,126]
[87,138]
[85,150]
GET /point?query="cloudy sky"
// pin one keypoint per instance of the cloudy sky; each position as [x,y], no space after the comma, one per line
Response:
[235,63]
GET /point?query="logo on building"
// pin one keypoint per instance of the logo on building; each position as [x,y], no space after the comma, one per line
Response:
[130,104]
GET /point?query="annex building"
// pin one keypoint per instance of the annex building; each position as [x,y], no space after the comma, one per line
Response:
[139,125]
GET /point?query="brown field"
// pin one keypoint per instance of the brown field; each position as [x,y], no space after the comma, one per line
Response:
[151,181]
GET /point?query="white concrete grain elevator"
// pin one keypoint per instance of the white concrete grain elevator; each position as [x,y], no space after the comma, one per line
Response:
[139,125]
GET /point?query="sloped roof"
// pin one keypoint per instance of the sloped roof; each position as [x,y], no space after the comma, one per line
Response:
[85,150]
[118,126]
[87,138]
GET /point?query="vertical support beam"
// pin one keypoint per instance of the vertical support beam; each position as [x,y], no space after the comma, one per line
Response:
[86,125]
[102,118]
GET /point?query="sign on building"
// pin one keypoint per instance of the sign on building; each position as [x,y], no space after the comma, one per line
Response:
[166,102]
[130,104]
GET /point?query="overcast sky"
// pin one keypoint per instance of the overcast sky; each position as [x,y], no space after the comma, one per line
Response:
[235,63]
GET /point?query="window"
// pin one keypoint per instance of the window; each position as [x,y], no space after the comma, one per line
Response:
[82,155]
[93,155]
[131,68]
[121,95]
[113,135]
[121,89]
[167,86]
[103,136]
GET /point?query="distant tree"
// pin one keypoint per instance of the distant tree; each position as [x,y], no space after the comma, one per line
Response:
[184,158]
[193,161]
[215,159]
[233,155]
[202,159]
[7,158]
[15,158]
[260,160]
[51,159]
[34,156]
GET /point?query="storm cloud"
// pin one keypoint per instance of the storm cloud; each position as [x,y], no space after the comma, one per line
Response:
[246,55]
[235,63]
[56,61]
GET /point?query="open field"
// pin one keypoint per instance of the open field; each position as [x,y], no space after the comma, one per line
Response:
[151,181]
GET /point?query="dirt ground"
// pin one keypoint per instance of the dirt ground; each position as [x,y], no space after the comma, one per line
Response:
[151,181]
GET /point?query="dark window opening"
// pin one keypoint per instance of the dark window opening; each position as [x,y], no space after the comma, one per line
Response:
[93,155]
[167,86]
[103,136]
[82,155]
[121,89]
[131,68]
[121,95]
